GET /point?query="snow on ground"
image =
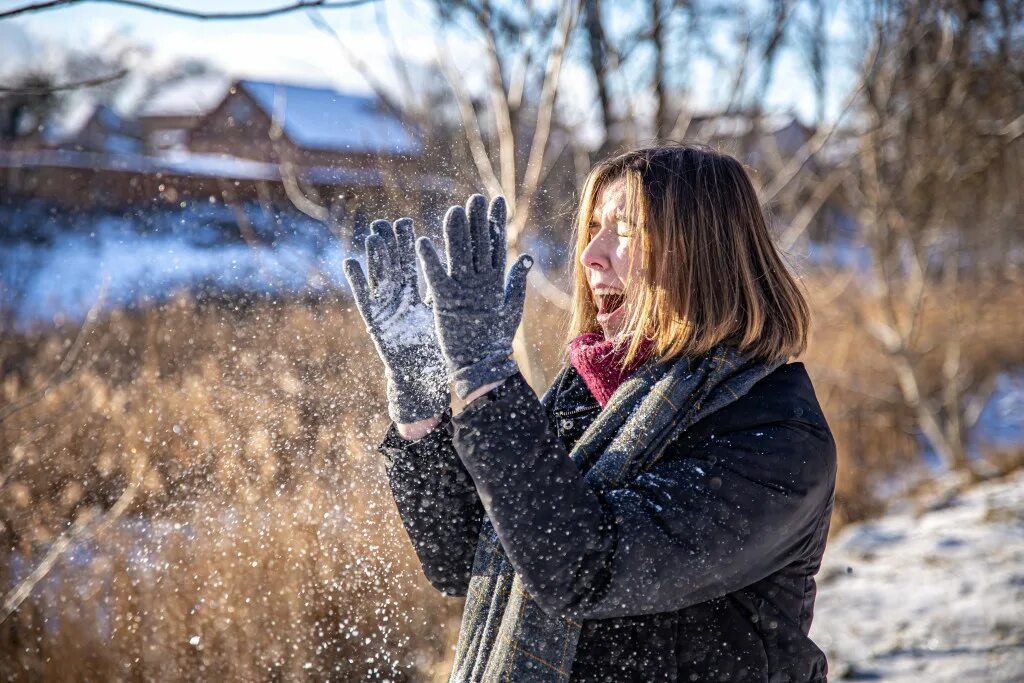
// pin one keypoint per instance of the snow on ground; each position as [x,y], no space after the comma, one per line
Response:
[936,596]
[56,267]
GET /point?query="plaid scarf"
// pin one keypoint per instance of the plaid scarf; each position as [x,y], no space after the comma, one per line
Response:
[504,635]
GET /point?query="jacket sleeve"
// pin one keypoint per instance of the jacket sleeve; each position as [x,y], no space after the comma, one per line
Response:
[438,504]
[698,524]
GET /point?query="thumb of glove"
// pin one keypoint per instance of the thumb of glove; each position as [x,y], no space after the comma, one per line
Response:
[515,291]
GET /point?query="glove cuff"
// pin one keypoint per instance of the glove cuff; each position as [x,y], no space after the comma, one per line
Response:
[493,368]
[407,404]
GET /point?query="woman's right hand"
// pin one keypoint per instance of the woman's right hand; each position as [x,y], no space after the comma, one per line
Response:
[400,323]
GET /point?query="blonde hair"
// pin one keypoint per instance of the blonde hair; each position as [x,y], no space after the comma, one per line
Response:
[709,271]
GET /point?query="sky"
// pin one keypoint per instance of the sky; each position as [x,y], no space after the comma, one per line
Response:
[290,48]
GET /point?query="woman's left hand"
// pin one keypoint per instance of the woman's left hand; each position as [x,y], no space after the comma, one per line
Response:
[476,309]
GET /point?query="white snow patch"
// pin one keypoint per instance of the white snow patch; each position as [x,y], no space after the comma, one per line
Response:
[192,96]
[62,277]
[936,597]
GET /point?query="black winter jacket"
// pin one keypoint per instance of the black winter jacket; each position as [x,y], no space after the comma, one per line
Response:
[718,544]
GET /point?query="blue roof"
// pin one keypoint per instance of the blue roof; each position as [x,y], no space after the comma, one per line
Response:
[324,119]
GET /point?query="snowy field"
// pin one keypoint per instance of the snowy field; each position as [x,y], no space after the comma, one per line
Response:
[55,267]
[936,596]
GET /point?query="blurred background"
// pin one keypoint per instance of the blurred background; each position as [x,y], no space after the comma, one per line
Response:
[190,407]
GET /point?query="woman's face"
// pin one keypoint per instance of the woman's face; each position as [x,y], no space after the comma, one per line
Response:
[606,257]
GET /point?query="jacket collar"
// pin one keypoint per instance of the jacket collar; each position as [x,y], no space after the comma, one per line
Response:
[572,394]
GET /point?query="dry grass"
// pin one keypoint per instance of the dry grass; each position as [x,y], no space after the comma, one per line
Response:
[271,549]
[263,542]
[875,431]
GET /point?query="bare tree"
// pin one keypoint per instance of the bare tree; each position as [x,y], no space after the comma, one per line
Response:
[936,174]
[511,70]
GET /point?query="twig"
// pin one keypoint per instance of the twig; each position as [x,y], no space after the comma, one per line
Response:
[810,209]
[820,137]
[249,236]
[63,371]
[360,65]
[397,61]
[1014,129]
[470,124]
[82,529]
[44,89]
[298,198]
[502,117]
[186,13]
[244,226]
[545,112]
[289,178]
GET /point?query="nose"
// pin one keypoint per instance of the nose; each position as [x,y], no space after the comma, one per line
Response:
[593,255]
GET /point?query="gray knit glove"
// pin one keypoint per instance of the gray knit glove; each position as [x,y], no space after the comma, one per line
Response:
[476,316]
[400,324]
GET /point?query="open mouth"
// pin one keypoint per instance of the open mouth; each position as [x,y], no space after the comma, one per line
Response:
[607,303]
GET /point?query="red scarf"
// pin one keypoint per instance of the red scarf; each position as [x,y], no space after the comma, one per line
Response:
[600,363]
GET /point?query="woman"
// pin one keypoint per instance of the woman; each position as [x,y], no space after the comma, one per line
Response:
[661,512]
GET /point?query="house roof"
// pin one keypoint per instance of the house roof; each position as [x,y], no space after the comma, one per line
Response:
[70,127]
[192,96]
[737,125]
[325,119]
[62,126]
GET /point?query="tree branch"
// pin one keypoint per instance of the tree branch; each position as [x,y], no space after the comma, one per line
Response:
[502,118]
[470,124]
[67,365]
[361,66]
[88,525]
[545,112]
[543,285]
[813,145]
[76,85]
[812,206]
[186,13]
